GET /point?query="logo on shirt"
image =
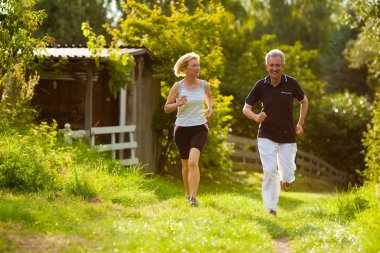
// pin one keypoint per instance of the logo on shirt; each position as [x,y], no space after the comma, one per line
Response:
[285,92]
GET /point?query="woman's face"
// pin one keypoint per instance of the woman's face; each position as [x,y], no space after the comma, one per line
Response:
[193,68]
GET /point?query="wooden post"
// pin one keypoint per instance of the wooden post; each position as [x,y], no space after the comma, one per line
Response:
[135,101]
[88,102]
[113,142]
[122,117]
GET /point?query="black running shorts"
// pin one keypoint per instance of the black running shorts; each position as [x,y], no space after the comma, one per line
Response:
[187,138]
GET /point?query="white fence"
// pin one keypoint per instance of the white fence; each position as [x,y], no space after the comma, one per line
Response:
[118,143]
[246,157]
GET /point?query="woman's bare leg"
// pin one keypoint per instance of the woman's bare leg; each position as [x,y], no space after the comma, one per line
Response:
[185,176]
[193,171]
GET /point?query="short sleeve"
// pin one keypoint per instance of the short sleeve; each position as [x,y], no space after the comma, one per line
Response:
[298,92]
[254,95]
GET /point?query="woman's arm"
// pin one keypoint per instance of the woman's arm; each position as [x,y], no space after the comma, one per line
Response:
[172,103]
[209,100]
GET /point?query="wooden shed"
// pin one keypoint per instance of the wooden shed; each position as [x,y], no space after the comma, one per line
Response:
[79,94]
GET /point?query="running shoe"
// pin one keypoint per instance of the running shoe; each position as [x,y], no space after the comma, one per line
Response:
[193,202]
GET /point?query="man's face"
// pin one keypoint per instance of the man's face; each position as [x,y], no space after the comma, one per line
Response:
[274,67]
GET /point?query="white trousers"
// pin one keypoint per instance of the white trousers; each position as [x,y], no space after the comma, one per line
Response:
[278,161]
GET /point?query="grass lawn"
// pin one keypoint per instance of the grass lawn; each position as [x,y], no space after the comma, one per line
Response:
[155,217]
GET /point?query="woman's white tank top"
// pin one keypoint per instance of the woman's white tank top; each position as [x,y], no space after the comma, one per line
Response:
[191,113]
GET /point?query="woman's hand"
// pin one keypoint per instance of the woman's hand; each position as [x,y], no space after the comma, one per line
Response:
[208,112]
[181,100]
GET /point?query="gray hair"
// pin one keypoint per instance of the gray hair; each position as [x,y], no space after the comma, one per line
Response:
[273,53]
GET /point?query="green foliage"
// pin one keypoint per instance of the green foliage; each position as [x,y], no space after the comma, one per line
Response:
[217,150]
[306,21]
[170,36]
[120,66]
[35,159]
[79,185]
[335,70]
[17,65]
[350,207]
[65,18]
[334,129]
[371,143]
[18,23]
[29,164]
[364,50]
[15,108]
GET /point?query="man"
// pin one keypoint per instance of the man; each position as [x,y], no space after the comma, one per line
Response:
[277,134]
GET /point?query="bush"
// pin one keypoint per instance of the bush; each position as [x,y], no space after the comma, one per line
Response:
[334,129]
[371,143]
[29,162]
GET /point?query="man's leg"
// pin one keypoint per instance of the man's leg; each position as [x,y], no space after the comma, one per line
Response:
[271,182]
[287,161]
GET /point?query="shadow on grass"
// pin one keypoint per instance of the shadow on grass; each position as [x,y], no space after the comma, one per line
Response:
[168,186]
[289,203]
[274,229]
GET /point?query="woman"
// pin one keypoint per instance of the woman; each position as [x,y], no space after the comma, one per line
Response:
[190,133]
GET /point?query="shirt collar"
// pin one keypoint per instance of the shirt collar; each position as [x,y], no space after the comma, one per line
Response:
[284,79]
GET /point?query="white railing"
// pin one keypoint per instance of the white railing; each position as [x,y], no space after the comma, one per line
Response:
[246,157]
[115,146]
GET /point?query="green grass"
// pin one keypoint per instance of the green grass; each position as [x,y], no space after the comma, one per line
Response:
[95,205]
[230,219]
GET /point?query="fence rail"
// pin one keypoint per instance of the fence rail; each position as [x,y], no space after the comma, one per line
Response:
[116,145]
[246,157]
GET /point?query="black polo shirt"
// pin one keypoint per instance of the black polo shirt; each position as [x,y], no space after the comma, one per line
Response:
[277,103]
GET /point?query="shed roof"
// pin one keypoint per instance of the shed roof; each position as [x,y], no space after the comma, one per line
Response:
[83,52]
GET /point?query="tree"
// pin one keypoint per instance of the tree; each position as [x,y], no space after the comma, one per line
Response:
[64,19]
[18,22]
[371,143]
[334,130]
[335,69]
[364,51]
[168,37]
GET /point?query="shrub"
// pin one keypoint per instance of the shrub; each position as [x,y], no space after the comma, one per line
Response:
[371,143]
[28,162]
[334,129]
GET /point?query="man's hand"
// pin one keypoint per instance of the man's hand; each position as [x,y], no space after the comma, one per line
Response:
[299,129]
[260,117]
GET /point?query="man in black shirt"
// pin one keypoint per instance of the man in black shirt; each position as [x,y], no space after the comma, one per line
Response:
[277,134]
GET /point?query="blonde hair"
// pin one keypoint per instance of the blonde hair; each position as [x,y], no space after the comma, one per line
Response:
[273,53]
[182,63]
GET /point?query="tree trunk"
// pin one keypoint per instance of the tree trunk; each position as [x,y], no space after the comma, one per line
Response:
[9,91]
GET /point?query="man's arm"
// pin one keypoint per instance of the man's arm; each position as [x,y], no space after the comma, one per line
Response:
[247,111]
[303,111]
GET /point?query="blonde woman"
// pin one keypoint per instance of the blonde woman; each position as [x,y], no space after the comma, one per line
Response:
[188,98]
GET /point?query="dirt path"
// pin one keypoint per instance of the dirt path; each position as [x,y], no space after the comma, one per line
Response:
[282,245]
